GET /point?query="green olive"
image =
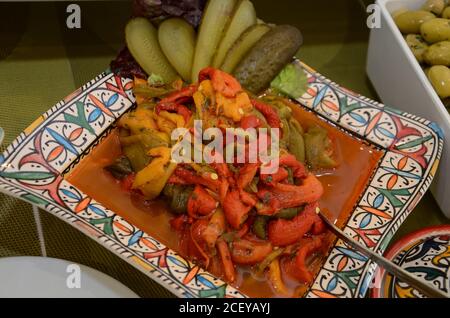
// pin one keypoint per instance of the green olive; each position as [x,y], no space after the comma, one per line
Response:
[396,13]
[436,30]
[410,21]
[446,13]
[417,45]
[439,77]
[435,6]
[438,54]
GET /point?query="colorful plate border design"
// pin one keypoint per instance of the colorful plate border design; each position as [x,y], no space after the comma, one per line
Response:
[426,252]
[32,169]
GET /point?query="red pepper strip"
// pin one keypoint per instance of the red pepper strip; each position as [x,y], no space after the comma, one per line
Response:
[206,74]
[298,168]
[216,227]
[224,172]
[178,223]
[222,82]
[127,183]
[180,96]
[267,210]
[250,122]
[216,266]
[319,227]
[228,266]
[246,174]
[247,198]
[269,205]
[243,230]
[200,203]
[177,108]
[196,231]
[296,267]
[191,178]
[286,232]
[223,190]
[236,212]
[272,179]
[283,196]
[245,252]
[176,180]
[268,112]
[290,250]
[251,237]
[226,178]
[290,196]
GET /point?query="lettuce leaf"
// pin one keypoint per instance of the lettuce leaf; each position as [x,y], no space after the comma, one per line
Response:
[292,81]
[155,80]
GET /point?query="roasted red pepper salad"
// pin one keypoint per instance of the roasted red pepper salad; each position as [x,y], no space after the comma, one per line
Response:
[229,215]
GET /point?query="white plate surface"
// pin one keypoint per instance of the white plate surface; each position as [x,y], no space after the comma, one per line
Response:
[30,277]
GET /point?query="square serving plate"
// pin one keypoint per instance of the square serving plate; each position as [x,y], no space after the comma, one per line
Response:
[33,166]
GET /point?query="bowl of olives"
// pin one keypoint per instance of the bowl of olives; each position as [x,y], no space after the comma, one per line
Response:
[408,65]
[427,33]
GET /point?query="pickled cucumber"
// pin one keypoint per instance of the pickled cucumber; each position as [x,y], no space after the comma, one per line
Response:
[243,18]
[215,18]
[268,57]
[260,21]
[242,46]
[142,41]
[177,40]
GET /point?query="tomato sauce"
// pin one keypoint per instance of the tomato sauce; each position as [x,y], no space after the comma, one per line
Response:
[343,187]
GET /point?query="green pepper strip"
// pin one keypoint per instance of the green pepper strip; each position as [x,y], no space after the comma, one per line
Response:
[178,196]
[290,175]
[287,214]
[253,186]
[286,137]
[260,226]
[137,156]
[151,92]
[296,141]
[318,147]
[261,267]
[120,168]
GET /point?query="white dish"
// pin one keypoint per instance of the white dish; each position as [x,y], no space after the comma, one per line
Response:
[401,83]
[39,277]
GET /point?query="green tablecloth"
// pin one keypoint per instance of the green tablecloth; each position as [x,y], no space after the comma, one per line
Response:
[41,61]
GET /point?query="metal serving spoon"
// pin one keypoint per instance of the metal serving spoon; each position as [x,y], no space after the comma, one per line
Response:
[423,287]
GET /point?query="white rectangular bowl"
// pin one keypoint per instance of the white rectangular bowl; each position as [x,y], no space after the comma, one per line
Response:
[401,83]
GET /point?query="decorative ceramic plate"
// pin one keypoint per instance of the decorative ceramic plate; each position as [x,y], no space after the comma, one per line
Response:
[34,166]
[425,253]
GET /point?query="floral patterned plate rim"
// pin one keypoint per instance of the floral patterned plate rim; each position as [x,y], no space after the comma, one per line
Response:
[426,253]
[33,166]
